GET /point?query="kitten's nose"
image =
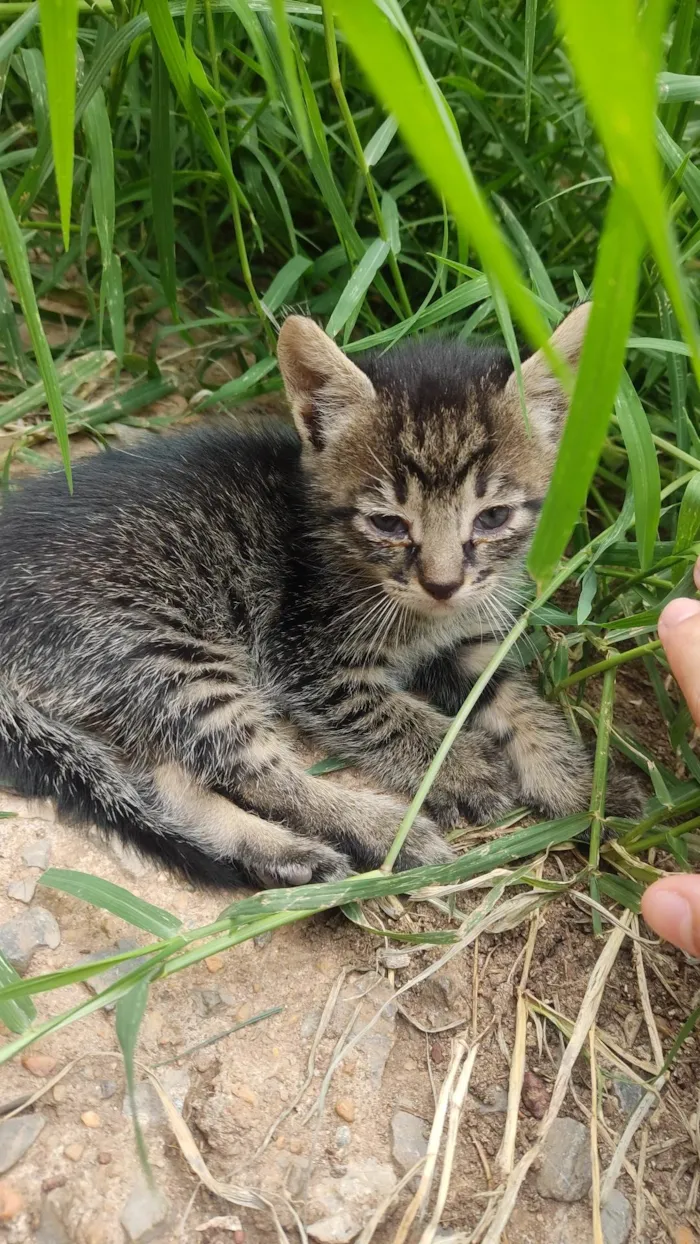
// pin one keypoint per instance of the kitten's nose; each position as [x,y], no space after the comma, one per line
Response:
[442,591]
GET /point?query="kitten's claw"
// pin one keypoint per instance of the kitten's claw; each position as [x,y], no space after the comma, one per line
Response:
[305,863]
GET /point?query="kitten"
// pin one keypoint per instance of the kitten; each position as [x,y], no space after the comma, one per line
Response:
[157,627]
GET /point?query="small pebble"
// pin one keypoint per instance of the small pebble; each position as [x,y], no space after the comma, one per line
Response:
[349,1066]
[74,1152]
[343,1136]
[90,1119]
[345,1109]
[16,1136]
[280,1142]
[437,1053]
[244,1012]
[245,1093]
[10,1202]
[37,854]
[107,1089]
[104,1158]
[59,1092]
[296,1145]
[53,1182]
[683,1235]
[23,890]
[41,1065]
[214,963]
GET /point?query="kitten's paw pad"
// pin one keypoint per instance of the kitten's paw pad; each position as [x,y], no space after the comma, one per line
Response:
[305,864]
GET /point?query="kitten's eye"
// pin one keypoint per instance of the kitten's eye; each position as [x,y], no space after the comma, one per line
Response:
[497,516]
[389,525]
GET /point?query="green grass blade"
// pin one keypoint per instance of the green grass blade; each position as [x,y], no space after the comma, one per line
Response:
[162,191]
[614,291]
[354,293]
[112,898]
[286,282]
[289,66]
[617,75]
[688,515]
[130,1011]
[16,33]
[33,64]
[496,854]
[12,244]
[15,1014]
[530,34]
[59,34]
[242,385]
[164,32]
[400,77]
[644,468]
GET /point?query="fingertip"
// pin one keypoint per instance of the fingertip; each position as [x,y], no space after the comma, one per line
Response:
[671,907]
[696,574]
[678,611]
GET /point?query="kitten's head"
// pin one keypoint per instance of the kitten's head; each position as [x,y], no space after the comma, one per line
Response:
[426,475]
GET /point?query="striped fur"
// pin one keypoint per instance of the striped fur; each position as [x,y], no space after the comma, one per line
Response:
[157,628]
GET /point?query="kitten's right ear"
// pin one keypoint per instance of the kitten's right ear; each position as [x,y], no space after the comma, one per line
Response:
[322,385]
[547,404]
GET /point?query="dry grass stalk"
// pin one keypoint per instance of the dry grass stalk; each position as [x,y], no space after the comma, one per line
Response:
[190,1152]
[495,1222]
[645,1000]
[367,1234]
[635,1121]
[608,1049]
[485,918]
[456,1109]
[639,1189]
[422,1193]
[506,1153]
[595,1161]
[311,1063]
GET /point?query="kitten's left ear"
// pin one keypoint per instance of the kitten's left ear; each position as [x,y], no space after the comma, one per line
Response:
[547,404]
[323,387]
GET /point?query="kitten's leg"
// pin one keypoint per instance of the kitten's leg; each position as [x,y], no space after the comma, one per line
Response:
[270,854]
[554,768]
[221,732]
[393,736]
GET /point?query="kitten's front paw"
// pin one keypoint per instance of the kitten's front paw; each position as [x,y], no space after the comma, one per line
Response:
[625,795]
[423,846]
[476,783]
[302,863]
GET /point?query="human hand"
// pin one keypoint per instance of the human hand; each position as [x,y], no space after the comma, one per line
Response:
[671,906]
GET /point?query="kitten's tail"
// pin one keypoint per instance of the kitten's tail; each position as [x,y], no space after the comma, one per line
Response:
[41,758]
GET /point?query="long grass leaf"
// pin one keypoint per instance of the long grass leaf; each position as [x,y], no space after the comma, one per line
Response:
[112,898]
[59,35]
[130,1010]
[644,468]
[357,286]
[12,244]
[617,74]
[162,190]
[614,291]
[15,1014]
[400,77]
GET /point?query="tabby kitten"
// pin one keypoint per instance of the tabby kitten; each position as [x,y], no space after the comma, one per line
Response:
[157,627]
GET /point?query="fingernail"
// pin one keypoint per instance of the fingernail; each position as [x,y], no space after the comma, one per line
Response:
[678,611]
[673,919]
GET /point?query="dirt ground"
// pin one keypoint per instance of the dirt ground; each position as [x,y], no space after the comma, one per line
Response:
[77,1177]
[79,1181]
